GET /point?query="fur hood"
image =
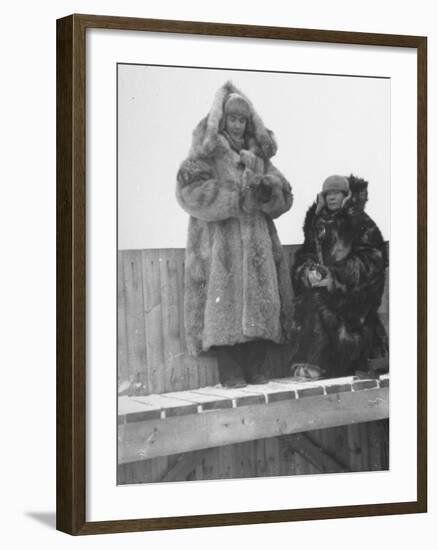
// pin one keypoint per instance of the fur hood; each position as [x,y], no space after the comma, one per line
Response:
[207,137]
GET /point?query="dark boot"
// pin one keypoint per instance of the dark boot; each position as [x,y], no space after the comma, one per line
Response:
[254,362]
[229,364]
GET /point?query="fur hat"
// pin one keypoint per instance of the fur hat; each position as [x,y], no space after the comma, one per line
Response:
[238,105]
[333,183]
[336,183]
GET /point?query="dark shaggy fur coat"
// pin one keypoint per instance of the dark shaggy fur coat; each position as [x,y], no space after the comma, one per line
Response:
[237,281]
[339,327]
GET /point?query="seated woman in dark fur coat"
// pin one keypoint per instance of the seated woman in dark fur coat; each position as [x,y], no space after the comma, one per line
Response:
[338,278]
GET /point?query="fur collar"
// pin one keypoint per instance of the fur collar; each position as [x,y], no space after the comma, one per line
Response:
[207,137]
[353,205]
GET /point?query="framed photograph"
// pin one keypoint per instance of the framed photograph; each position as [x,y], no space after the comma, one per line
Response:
[241,274]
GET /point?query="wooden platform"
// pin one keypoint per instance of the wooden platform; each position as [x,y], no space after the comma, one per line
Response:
[179,422]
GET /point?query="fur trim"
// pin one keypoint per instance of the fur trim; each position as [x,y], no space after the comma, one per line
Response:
[206,136]
[308,220]
[359,192]
[281,197]
[198,193]
[320,201]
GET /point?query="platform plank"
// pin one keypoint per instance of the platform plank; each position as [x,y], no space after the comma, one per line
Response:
[185,433]
[166,405]
[272,391]
[218,397]
[238,396]
[204,401]
[130,410]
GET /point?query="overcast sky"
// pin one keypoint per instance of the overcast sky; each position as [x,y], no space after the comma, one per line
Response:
[323,125]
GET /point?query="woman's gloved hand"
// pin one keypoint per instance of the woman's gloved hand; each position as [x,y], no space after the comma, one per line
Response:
[314,277]
[319,276]
[248,159]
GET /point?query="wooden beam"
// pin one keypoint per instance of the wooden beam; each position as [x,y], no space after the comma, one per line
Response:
[212,428]
[302,444]
[181,403]
[185,464]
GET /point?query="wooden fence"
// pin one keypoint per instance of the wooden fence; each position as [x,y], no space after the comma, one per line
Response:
[152,359]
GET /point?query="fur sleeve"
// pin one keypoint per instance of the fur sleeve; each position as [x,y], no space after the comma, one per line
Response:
[304,259]
[280,198]
[203,196]
[306,256]
[364,268]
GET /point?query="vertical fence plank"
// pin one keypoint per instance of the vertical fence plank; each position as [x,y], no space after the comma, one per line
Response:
[299,465]
[189,363]
[136,339]
[354,447]
[364,446]
[208,370]
[375,463]
[122,347]
[260,458]
[210,464]
[153,313]
[272,456]
[225,461]
[239,460]
[177,329]
[384,442]
[170,321]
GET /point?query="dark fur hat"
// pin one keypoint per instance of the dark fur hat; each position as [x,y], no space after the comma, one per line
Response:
[359,191]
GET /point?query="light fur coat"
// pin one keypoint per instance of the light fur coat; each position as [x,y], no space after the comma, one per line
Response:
[237,282]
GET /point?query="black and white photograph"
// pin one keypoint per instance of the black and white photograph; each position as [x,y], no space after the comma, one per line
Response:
[253,231]
[219,274]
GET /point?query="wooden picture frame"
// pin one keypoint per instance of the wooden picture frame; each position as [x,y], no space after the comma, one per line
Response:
[71,272]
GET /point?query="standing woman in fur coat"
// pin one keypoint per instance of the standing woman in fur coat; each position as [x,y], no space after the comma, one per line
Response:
[237,282]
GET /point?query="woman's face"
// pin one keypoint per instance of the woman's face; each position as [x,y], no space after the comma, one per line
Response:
[334,199]
[235,125]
